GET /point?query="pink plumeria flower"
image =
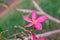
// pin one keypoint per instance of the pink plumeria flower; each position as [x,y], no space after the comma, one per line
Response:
[36,22]
[33,37]
[42,38]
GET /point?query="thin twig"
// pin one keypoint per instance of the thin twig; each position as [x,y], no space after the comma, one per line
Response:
[12,35]
[15,33]
[23,29]
[4,31]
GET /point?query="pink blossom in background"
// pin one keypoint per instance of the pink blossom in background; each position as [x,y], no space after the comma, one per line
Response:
[42,38]
[36,22]
[33,37]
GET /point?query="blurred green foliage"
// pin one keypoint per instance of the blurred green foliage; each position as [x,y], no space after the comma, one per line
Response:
[12,18]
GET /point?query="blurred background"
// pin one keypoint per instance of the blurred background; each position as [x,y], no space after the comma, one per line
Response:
[9,17]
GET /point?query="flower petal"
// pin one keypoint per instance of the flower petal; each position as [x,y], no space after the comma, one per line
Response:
[38,26]
[33,37]
[42,38]
[42,19]
[33,14]
[29,25]
[27,19]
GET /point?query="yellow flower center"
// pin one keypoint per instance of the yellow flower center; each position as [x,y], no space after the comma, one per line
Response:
[34,22]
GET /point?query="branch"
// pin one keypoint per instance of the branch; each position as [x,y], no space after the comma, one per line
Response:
[23,29]
[41,35]
[46,34]
[38,35]
[30,11]
[49,33]
[42,12]
[19,33]
[26,11]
